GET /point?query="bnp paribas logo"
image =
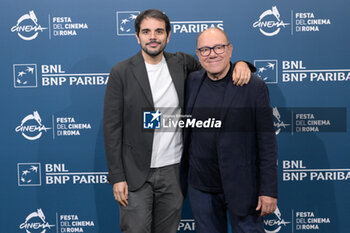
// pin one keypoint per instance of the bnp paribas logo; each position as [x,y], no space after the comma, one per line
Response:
[152,120]
[125,22]
[25,75]
[267,70]
[29,174]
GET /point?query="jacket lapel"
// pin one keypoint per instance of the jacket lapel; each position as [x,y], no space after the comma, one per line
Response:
[140,74]
[230,93]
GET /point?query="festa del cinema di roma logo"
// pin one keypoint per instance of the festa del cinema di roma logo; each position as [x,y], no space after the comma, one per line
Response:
[27,26]
[269,22]
[35,222]
[274,222]
[31,127]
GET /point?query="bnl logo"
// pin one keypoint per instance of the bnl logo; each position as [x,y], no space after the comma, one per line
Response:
[29,174]
[125,22]
[151,120]
[267,70]
[24,75]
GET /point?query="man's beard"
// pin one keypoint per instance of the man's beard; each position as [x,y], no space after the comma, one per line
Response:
[153,53]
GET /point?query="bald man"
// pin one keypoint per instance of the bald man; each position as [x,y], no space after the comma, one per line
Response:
[232,168]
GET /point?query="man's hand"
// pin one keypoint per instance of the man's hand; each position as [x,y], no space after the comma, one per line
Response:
[267,205]
[241,74]
[120,192]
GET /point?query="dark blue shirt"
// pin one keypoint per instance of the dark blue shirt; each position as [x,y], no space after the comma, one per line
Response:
[204,172]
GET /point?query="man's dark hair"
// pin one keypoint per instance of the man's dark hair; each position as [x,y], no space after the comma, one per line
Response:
[152,13]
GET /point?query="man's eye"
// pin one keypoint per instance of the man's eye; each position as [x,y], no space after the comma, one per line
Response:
[205,49]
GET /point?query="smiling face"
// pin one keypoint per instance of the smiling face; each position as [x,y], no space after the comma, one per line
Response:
[152,38]
[216,65]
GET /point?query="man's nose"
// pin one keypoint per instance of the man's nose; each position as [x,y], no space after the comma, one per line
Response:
[212,54]
[152,35]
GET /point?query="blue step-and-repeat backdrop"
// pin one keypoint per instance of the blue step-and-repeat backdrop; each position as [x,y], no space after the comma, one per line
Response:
[55,61]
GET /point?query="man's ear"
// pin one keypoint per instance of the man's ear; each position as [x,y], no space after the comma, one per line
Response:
[230,49]
[137,38]
[168,39]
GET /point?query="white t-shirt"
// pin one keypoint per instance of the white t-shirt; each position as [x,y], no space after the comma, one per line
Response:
[167,146]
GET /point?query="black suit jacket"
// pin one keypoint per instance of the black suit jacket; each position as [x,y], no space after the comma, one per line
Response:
[246,144]
[128,93]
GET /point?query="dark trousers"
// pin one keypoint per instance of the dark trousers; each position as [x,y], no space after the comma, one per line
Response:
[156,206]
[210,213]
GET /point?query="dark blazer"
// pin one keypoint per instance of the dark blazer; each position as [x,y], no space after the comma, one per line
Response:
[246,143]
[128,93]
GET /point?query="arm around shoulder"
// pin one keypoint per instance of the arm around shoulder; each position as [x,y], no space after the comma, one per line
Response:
[190,62]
